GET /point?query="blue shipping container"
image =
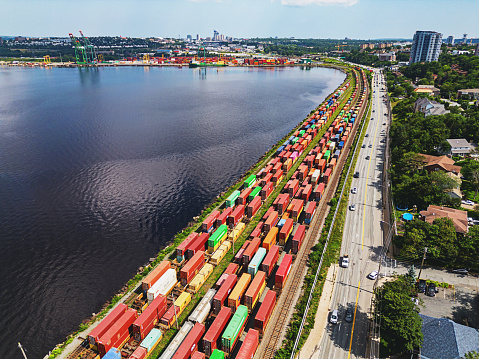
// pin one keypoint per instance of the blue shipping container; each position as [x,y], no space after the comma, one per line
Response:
[279,150]
[113,353]
[151,339]
[341,145]
[281,223]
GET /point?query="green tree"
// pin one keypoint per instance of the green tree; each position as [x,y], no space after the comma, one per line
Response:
[471,355]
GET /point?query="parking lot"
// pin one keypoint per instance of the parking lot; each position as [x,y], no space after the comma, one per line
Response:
[459,304]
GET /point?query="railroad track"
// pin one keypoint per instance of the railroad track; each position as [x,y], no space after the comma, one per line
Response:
[82,351]
[286,300]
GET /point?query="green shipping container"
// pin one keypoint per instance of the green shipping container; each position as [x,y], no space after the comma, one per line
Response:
[326,156]
[294,140]
[313,126]
[217,354]
[250,181]
[254,193]
[255,263]
[301,133]
[218,235]
[231,200]
[233,330]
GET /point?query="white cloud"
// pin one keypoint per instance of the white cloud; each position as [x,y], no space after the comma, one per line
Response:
[319,2]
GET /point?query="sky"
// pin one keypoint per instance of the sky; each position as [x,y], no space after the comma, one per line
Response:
[335,19]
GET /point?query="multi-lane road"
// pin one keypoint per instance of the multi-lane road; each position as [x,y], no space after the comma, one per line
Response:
[362,241]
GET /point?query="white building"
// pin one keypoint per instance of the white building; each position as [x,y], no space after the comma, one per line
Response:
[426,46]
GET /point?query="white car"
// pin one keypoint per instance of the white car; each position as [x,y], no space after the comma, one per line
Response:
[470,203]
[354,190]
[352,207]
[345,261]
[373,274]
[334,317]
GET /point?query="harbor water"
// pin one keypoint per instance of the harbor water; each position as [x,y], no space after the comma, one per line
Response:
[99,168]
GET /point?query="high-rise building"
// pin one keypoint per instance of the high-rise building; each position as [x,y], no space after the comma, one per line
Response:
[197,37]
[450,40]
[426,46]
[476,53]
[215,35]
[464,38]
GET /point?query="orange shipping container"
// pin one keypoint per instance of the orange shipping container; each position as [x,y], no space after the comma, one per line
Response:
[234,299]
[155,274]
[255,290]
[270,239]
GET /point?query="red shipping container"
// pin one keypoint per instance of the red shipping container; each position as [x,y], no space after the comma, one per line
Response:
[222,294]
[239,255]
[236,216]
[318,191]
[106,323]
[267,170]
[283,200]
[210,340]
[277,166]
[192,267]
[297,208]
[190,344]
[221,280]
[155,274]
[271,221]
[270,260]
[209,222]
[293,187]
[253,207]
[322,165]
[148,319]
[266,190]
[283,271]
[223,216]
[198,245]
[298,238]
[326,176]
[232,268]
[286,230]
[307,192]
[249,346]
[298,194]
[266,215]
[266,179]
[264,312]
[302,172]
[277,176]
[251,250]
[310,209]
[243,198]
[183,246]
[139,353]
[198,355]
[257,230]
[274,161]
[118,332]
[253,292]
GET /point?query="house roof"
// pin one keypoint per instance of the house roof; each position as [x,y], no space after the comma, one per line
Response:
[445,339]
[469,91]
[458,217]
[446,163]
[422,90]
[458,142]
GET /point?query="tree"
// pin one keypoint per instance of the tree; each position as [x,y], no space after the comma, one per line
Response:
[471,355]
[411,275]
[400,322]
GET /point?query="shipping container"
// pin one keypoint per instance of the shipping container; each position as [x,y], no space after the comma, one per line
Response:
[271,221]
[221,280]
[217,238]
[255,263]
[106,323]
[310,211]
[163,286]
[236,216]
[198,355]
[306,192]
[201,311]
[270,239]
[278,176]
[302,172]
[243,198]
[208,224]
[210,340]
[250,251]
[281,203]
[318,191]
[264,313]
[139,353]
[266,215]
[270,260]
[250,181]
[231,200]
[196,283]
[239,256]
[151,340]
[232,268]
[249,346]
[222,218]
[297,208]
[180,250]
[113,353]
[192,267]
[219,300]
[220,253]
[190,344]
[148,319]
[236,232]
[285,231]
[255,192]
[157,272]
[217,354]
[234,329]
[255,290]
[234,299]
[298,238]
[257,230]
[283,271]
[177,340]
[118,333]
[293,187]
[326,175]
[198,245]
[253,207]
[267,190]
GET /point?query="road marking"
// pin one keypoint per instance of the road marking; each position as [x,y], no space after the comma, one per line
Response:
[354,320]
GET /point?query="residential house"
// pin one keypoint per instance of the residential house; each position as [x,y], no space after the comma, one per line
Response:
[429,107]
[459,147]
[458,217]
[472,93]
[445,339]
[428,89]
[445,164]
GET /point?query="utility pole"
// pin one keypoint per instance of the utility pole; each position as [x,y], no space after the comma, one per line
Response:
[422,262]
[174,308]
[23,352]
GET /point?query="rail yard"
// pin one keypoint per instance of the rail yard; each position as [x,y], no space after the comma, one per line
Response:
[281,209]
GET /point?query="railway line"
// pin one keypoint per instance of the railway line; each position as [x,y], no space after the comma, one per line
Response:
[280,316]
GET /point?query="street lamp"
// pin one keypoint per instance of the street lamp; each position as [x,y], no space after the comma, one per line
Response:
[23,352]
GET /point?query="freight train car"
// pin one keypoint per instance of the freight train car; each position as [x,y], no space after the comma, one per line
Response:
[223,293]
[177,340]
[255,290]
[283,271]
[106,323]
[190,344]
[270,260]
[163,286]
[204,273]
[200,313]
[148,319]
[264,313]
[234,299]
[191,268]
[210,340]
[234,329]
[118,333]
[249,346]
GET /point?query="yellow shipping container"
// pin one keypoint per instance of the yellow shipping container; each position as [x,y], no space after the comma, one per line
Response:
[236,232]
[182,301]
[200,278]
[234,299]
[270,239]
[220,253]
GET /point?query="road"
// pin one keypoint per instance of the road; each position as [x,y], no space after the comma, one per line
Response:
[362,241]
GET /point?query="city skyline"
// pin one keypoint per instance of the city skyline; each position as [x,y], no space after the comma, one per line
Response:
[356,19]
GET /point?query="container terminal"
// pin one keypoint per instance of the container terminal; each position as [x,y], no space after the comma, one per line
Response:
[279,210]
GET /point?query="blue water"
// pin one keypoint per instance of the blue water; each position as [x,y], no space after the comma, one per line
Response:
[100,167]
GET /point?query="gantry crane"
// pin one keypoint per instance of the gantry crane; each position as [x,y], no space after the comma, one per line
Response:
[338,46]
[89,49]
[80,53]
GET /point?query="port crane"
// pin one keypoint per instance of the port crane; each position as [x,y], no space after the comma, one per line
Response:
[84,52]
[89,49]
